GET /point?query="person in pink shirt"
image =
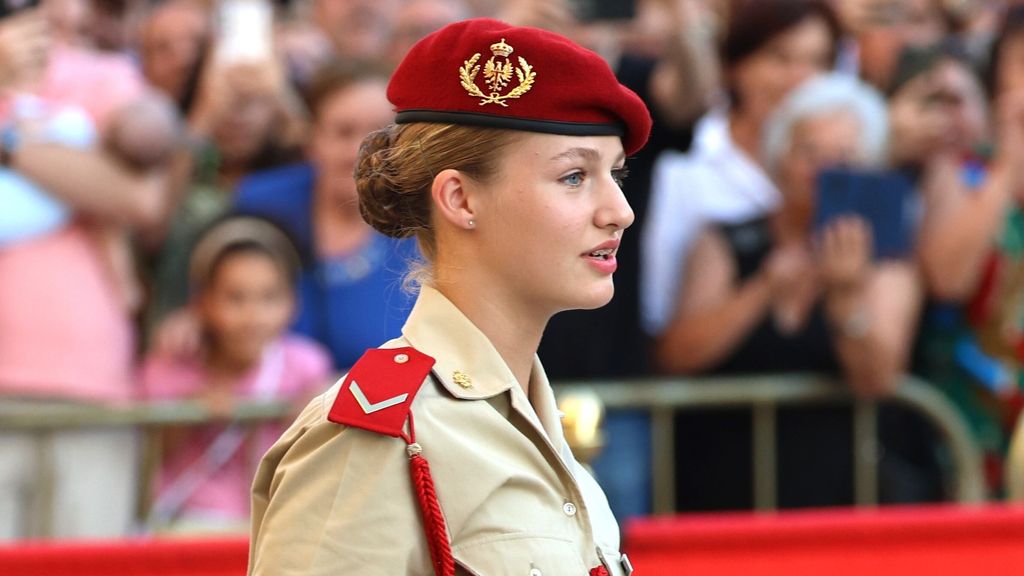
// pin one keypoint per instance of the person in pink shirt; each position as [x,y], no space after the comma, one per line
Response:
[66,334]
[242,273]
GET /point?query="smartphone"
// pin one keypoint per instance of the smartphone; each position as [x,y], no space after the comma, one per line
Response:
[594,10]
[244,31]
[885,200]
[12,7]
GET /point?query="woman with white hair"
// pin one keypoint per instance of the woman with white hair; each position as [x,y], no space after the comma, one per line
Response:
[773,294]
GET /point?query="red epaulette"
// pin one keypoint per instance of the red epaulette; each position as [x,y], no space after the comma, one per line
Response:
[377,395]
[378,391]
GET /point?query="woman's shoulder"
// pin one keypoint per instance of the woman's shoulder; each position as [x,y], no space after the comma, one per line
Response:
[365,399]
[305,358]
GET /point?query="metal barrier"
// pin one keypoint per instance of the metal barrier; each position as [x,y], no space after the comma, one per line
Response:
[661,397]
[763,394]
[43,418]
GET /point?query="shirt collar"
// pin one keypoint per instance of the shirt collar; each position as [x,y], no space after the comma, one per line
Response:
[469,366]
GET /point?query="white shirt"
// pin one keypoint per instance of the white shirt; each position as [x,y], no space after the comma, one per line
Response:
[715,182]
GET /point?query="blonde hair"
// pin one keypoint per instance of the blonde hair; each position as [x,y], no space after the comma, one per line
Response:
[396,170]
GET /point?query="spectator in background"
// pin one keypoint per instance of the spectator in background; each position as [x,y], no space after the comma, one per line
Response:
[972,250]
[937,110]
[769,48]
[246,119]
[115,24]
[357,29]
[765,296]
[350,289]
[417,18]
[173,41]
[879,30]
[57,293]
[242,274]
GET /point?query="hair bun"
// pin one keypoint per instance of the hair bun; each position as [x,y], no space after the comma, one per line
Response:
[382,201]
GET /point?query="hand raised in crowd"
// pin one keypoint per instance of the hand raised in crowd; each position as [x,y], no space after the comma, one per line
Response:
[305,48]
[24,48]
[223,86]
[919,126]
[787,267]
[844,255]
[179,335]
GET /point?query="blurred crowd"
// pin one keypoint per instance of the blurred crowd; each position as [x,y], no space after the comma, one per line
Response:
[831,186]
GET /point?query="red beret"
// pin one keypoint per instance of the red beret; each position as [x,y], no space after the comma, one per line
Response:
[483,72]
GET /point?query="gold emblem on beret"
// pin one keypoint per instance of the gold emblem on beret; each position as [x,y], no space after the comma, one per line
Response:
[497,75]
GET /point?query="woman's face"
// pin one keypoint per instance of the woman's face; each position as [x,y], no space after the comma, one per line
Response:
[548,225]
[883,28]
[343,121]
[941,110]
[762,79]
[357,28]
[246,305]
[247,121]
[817,143]
[172,42]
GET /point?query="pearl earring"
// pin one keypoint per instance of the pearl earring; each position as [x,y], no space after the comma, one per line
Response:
[472,223]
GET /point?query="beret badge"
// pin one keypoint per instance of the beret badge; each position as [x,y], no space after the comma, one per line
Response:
[498,71]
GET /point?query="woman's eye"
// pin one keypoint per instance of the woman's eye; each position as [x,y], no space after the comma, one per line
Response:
[619,175]
[574,179]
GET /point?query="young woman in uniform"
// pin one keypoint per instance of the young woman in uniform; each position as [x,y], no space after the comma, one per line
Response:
[504,163]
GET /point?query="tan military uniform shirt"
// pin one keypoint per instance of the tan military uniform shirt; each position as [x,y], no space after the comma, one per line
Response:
[330,499]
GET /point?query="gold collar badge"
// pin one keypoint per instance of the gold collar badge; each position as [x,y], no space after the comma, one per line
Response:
[497,75]
[462,379]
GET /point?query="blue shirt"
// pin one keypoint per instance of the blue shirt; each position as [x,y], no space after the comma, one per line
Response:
[348,303]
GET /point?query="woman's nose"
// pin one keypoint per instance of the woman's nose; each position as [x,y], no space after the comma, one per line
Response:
[615,211]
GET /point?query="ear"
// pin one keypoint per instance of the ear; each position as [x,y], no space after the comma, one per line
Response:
[454,199]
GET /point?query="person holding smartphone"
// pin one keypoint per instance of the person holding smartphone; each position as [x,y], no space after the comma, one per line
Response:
[971,246]
[774,295]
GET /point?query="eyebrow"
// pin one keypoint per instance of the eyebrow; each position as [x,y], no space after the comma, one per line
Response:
[586,153]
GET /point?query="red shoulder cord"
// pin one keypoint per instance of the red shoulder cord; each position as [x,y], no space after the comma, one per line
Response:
[430,508]
[433,520]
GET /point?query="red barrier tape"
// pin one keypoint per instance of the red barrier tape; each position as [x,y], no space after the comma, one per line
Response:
[143,557]
[936,541]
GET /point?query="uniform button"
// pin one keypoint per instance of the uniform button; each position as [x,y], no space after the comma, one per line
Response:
[569,508]
[401,358]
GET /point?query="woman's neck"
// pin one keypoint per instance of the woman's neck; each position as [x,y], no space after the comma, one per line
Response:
[514,331]
[338,228]
[790,226]
[745,131]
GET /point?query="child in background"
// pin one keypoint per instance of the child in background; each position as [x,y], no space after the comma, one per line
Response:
[242,273]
